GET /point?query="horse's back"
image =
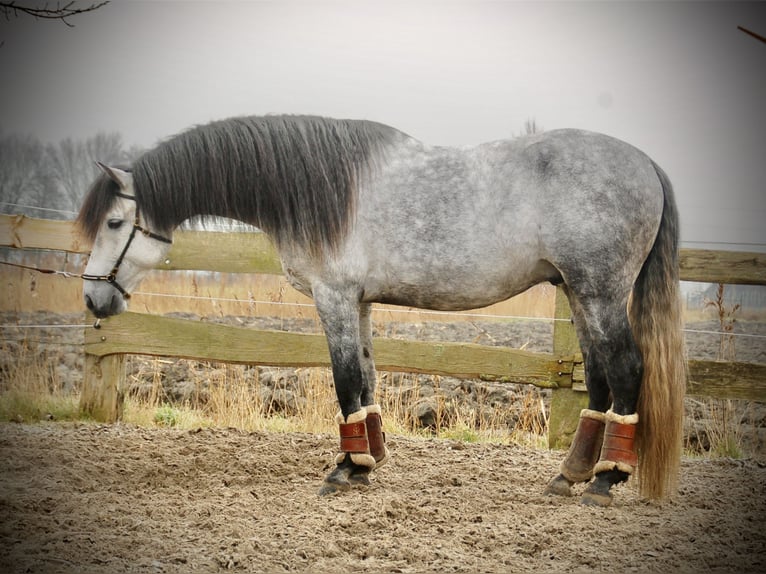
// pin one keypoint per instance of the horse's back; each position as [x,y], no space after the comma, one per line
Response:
[457,228]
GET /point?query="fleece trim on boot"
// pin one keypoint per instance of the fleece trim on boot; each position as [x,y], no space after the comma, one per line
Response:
[376,436]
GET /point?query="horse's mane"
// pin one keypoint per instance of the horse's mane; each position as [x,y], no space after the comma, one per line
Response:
[295,177]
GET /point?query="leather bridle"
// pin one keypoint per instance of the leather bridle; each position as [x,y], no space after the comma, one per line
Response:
[111,278]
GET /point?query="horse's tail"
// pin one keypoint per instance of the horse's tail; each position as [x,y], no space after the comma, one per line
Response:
[656,320]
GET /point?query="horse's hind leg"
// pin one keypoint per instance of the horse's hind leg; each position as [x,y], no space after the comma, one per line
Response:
[339,311]
[583,454]
[603,443]
[613,349]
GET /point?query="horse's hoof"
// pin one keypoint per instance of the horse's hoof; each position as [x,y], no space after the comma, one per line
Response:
[597,493]
[344,476]
[596,499]
[559,486]
[360,478]
[329,488]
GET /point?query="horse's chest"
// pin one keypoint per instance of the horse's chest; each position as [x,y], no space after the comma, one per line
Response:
[297,279]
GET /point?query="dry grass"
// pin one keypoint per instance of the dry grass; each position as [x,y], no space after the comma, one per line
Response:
[31,388]
[303,400]
[719,423]
[727,318]
[718,428]
[724,425]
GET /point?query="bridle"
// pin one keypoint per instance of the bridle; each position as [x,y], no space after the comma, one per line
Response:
[111,278]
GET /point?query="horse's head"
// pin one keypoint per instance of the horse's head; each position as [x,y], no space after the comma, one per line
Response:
[124,248]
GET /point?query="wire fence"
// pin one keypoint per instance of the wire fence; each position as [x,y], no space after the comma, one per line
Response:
[24,207]
[418,312]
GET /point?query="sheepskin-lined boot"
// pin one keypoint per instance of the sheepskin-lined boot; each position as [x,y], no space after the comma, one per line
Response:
[585,448]
[354,440]
[375,435]
[618,459]
[618,451]
[583,454]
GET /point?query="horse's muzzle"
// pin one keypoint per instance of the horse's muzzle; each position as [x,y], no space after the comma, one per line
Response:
[110,305]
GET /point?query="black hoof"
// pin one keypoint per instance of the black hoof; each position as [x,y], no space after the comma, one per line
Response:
[360,477]
[598,492]
[344,476]
[329,488]
[559,486]
[596,499]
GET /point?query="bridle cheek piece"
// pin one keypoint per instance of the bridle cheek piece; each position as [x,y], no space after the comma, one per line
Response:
[111,277]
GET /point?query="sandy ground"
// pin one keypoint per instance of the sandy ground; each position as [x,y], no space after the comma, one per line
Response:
[90,498]
[87,498]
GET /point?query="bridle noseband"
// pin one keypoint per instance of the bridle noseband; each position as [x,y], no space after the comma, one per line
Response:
[111,278]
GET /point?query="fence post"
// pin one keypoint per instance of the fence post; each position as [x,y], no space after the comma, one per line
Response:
[566,402]
[102,387]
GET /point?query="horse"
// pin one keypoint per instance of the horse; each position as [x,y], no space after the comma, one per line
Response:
[361,212]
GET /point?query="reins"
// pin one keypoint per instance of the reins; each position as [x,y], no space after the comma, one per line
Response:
[111,277]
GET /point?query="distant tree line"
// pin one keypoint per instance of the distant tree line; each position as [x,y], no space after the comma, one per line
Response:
[54,176]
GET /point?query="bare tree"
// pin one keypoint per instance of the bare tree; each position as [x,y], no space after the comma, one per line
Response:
[530,127]
[22,175]
[47,11]
[72,163]
[54,176]
[132,153]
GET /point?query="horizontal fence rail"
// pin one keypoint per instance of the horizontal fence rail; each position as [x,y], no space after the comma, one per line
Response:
[133,333]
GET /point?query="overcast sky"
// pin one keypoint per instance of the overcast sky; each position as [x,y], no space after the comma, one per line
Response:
[677,80]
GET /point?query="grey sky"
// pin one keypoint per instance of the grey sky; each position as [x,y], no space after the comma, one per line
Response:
[677,80]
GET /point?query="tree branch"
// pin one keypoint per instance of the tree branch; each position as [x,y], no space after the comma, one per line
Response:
[751,33]
[45,12]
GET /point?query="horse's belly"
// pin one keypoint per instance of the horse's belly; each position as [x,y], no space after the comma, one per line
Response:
[413,296]
[456,289]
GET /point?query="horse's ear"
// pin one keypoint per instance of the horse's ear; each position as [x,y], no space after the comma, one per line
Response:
[120,177]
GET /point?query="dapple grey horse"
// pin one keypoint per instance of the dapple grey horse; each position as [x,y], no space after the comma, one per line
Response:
[361,213]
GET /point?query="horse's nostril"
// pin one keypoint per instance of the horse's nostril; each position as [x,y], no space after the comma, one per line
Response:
[89,302]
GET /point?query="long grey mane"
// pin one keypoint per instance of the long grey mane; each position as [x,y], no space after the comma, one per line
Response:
[295,177]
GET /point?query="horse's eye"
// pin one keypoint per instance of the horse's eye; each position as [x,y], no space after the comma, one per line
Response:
[114,223]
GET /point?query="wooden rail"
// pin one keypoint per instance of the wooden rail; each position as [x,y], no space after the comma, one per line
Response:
[562,370]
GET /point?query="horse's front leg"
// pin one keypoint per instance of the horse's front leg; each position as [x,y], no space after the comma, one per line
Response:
[361,437]
[373,419]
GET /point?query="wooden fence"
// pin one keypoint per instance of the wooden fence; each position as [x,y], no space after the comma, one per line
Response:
[562,370]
